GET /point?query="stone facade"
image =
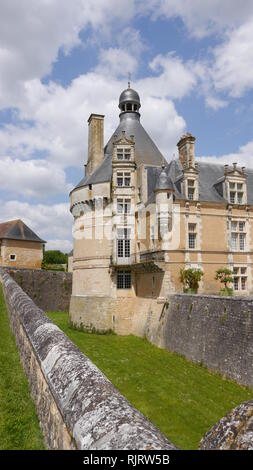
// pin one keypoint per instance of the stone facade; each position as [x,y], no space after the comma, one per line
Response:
[50,290]
[77,405]
[21,254]
[211,330]
[139,220]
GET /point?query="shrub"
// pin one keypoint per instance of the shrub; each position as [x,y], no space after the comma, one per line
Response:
[225,276]
[54,257]
[190,279]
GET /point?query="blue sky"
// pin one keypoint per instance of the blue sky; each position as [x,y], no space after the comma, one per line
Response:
[191,62]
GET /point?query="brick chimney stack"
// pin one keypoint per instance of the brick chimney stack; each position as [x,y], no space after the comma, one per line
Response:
[95,142]
[186,150]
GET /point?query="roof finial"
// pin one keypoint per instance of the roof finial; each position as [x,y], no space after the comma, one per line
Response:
[129,79]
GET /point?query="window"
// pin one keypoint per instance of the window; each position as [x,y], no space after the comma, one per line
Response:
[236,193]
[238,235]
[127,179]
[123,153]
[232,197]
[123,243]
[123,206]
[119,179]
[191,194]
[192,236]
[191,189]
[124,280]
[12,257]
[241,241]
[240,278]
[123,178]
[239,198]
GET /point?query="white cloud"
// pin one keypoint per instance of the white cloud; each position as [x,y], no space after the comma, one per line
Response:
[173,78]
[243,157]
[32,178]
[50,222]
[202,17]
[165,125]
[33,32]
[59,114]
[232,71]
[63,245]
[116,62]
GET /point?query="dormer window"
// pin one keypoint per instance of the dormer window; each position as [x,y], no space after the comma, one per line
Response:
[236,193]
[123,153]
[191,189]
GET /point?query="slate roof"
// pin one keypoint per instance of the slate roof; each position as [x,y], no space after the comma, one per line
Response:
[211,176]
[145,150]
[17,230]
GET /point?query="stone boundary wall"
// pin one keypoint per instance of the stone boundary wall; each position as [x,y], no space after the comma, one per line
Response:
[213,330]
[50,290]
[77,405]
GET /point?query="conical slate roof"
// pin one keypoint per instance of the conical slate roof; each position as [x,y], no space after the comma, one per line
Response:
[145,149]
[164,181]
[146,152]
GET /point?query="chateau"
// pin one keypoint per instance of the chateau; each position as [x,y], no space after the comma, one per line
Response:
[138,220]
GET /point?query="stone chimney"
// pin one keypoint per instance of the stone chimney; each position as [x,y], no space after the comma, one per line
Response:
[95,142]
[186,150]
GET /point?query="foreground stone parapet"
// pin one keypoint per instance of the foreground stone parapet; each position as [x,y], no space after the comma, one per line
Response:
[77,405]
[233,432]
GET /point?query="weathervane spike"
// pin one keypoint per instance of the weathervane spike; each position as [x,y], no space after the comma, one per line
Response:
[129,79]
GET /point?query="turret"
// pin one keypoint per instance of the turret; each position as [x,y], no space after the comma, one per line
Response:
[164,190]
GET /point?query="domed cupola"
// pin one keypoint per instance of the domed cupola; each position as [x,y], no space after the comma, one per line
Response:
[129,101]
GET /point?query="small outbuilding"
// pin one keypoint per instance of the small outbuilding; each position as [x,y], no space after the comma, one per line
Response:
[20,247]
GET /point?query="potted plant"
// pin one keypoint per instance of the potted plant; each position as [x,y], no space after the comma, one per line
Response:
[225,276]
[190,279]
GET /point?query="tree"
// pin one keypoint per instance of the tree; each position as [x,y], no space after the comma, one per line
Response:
[190,279]
[55,257]
[225,276]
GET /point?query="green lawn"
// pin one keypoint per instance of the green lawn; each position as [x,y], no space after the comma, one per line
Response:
[183,399]
[19,425]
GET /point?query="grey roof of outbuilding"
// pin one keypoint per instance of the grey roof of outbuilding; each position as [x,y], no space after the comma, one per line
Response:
[17,230]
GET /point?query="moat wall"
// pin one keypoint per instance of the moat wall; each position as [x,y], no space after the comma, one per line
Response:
[77,405]
[50,290]
[212,330]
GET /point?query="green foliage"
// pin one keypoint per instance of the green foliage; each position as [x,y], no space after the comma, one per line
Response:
[53,267]
[54,257]
[227,292]
[181,398]
[19,425]
[225,276]
[190,279]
